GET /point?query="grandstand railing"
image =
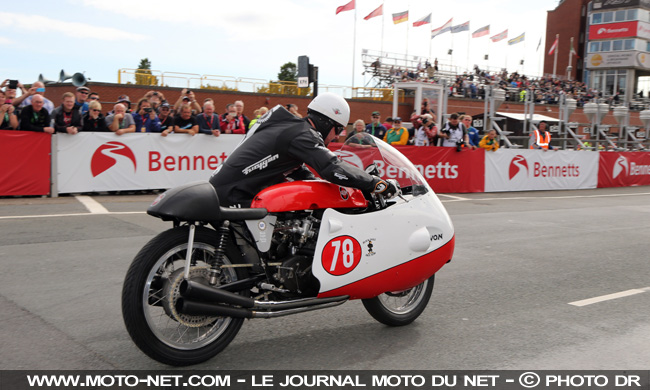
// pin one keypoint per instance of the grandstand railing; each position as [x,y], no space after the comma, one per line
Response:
[157,78]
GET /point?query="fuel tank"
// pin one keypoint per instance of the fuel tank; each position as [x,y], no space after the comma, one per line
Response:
[308,195]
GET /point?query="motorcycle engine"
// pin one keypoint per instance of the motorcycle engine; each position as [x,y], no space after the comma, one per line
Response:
[294,242]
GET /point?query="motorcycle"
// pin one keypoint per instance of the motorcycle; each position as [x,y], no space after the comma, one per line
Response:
[301,246]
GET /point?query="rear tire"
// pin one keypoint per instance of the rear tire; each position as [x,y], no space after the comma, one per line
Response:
[400,308]
[151,289]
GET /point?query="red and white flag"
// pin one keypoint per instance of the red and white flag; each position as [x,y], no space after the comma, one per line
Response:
[423,21]
[378,12]
[348,7]
[557,39]
[500,36]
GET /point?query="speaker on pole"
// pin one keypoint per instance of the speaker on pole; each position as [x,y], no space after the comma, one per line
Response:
[44,80]
[64,76]
[79,80]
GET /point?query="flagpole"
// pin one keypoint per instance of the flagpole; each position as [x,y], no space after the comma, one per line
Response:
[524,62]
[354,44]
[382,29]
[468,34]
[540,71]
[407,31]
[557,39]
[570,60]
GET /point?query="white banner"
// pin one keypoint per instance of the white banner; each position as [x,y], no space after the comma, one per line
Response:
[526,170]
[90,162]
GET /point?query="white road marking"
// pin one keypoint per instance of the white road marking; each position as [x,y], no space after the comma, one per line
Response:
[609,297]
[91,204]
[70,215]
[458,199]
[453,197]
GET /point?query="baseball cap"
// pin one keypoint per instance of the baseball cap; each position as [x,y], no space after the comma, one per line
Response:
[375,113]
[83,89]
[123,98]
[397,119]
[165,105]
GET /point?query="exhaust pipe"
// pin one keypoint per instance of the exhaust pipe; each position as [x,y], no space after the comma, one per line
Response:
[206,309]
[201,292]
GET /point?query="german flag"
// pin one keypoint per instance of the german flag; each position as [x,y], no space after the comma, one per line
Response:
[400,17]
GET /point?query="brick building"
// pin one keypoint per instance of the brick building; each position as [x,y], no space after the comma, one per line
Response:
[568,20]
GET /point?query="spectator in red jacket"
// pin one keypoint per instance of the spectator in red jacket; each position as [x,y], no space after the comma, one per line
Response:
[231,123]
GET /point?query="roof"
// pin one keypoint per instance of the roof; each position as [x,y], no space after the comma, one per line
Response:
[521,117]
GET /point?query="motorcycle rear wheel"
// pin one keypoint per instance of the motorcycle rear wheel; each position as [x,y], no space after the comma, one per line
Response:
[400,308]
[151,289]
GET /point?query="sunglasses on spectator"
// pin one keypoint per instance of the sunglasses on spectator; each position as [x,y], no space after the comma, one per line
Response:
[95,110]
[93,98]
[84,92]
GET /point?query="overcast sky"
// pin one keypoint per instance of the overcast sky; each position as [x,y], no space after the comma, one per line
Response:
[253,38]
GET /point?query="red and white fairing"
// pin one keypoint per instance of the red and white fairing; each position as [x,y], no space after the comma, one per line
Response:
[364,255]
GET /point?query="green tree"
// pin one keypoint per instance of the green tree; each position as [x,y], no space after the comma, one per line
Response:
[288,72]
[143,74]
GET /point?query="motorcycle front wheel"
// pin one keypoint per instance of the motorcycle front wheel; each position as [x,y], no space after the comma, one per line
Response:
[151,289]
[401,307]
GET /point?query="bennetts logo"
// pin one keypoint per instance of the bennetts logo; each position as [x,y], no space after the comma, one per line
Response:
[517,164]
[620,165]
[108,155]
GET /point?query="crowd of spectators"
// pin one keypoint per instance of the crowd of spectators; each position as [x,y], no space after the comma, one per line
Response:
[152,113]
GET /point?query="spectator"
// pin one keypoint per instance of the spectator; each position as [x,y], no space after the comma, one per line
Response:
[489,142]
[124,100]
[81,103]
[540,138]
[25,99]
[94,120]
[453,133]
[35,117]
[420,138]
[120,121]
[93,96]
[231,123]
[472,133]
[260,113]
[185,122]
[166,118]
[8,118]
[398,135]
[429,122]
[187,97]
[375,128]
[425,109]
[294,110]
[239,105]
[145,118]
[359,126]
[155,98]
[208,121]
[388,124]
[10,93]
[67,119]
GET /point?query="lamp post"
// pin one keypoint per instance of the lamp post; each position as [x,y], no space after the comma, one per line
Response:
[622,116]
[596,112]
[567,107]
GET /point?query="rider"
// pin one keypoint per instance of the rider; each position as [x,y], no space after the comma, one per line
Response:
[279,143]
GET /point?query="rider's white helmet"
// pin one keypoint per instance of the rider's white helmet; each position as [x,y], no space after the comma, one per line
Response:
[332,106]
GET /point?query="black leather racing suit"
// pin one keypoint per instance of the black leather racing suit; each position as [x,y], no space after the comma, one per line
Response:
[274,149]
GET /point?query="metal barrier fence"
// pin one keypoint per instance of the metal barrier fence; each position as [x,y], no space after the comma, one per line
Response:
[242,84]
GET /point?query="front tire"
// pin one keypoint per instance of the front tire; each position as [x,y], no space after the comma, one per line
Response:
[400,308]
[151,289]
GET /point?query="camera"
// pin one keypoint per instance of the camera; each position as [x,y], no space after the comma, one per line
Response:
[156,93]
[13,84]
[188,92]
[147,109]
[459,145]
[425,120]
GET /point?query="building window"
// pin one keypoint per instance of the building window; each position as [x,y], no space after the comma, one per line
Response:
[608,17]
[594,47]
[596,18]
[606,46]
[618,45]
[629,44]
[632,14]
[647,46]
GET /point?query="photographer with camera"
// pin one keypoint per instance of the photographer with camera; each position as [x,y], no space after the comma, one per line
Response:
[453,134]
[231,123]
[187,97]
[25,99]
[145,118]
[8,118]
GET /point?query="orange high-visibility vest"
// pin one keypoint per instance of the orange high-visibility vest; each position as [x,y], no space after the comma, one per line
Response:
[544,141]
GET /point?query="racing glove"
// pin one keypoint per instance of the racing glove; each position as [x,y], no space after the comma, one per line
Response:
[386,188]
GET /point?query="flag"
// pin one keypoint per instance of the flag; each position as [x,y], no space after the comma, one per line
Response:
[554,46]
[460,28]
[575,53]
[423,21]
[400,17]
[517,39]
[500,36]
[539,44]
[378,12]
[348,7]
[481,32]
[442,29]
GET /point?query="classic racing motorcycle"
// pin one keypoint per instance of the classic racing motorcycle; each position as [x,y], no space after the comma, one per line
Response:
[301,246]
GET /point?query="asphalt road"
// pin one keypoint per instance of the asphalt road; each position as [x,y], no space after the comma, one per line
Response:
[502,303]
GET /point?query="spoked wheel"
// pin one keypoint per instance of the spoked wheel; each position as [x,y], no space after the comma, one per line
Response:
[402,307]
[151,289]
